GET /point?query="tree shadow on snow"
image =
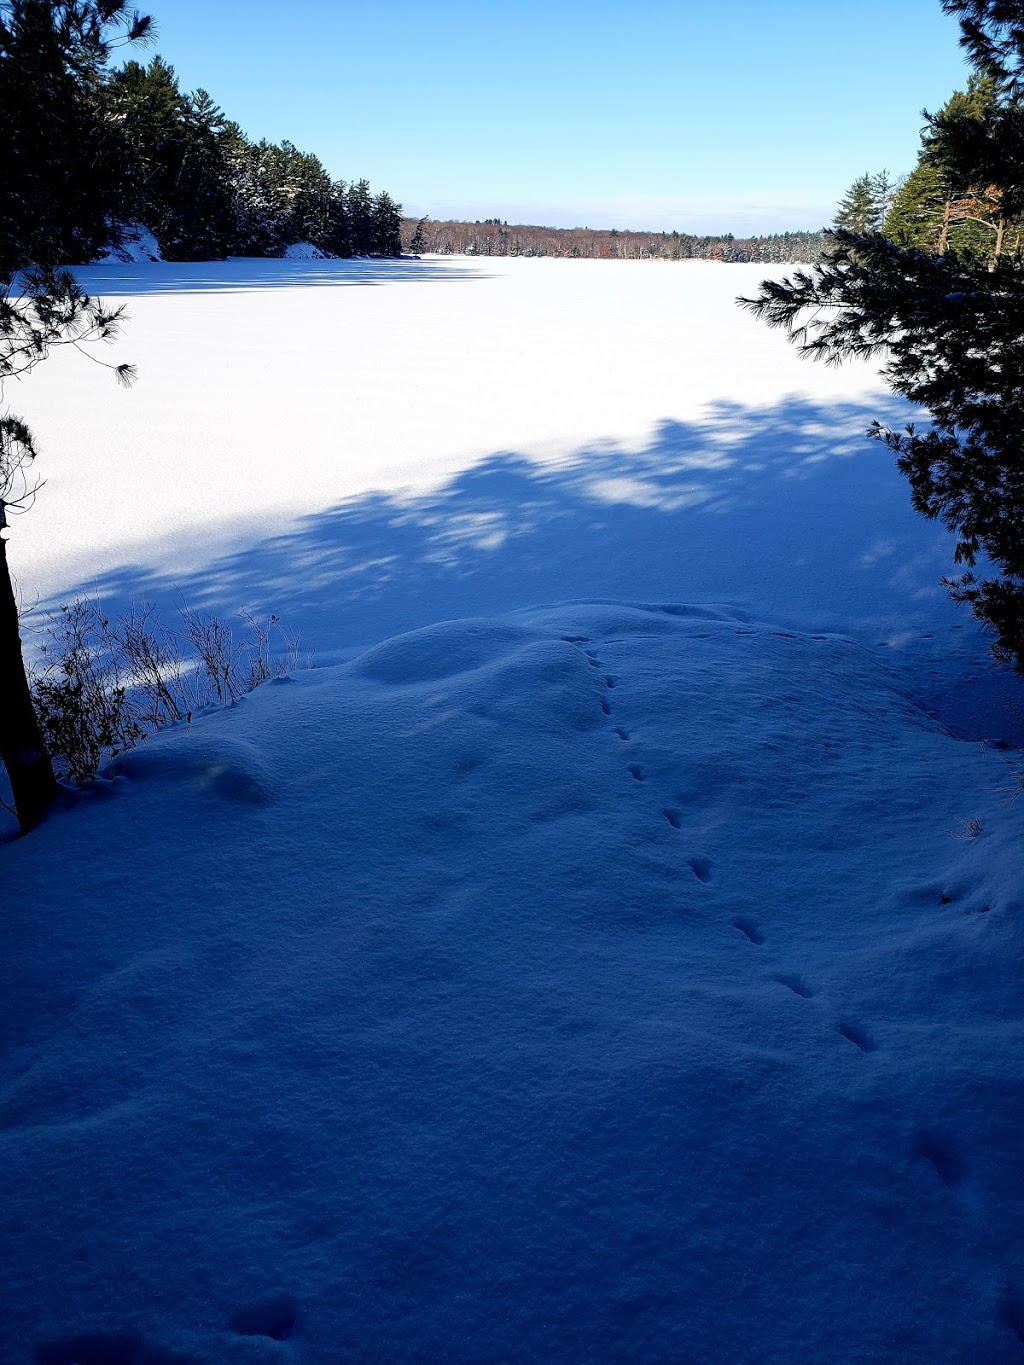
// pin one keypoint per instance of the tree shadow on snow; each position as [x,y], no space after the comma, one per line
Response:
[116,280]
[788,512]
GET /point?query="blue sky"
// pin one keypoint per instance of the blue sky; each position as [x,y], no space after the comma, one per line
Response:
[745,116]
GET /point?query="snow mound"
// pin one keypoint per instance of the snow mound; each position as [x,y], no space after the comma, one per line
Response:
[136,244]
[601,983]
[439,651]
[203,763]
[304,251]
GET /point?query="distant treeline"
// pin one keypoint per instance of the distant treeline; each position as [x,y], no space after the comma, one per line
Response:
[205,189]
[495,238]
[89,155]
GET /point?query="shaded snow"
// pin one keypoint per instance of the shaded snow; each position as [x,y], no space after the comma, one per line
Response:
[137,245]
[581,986]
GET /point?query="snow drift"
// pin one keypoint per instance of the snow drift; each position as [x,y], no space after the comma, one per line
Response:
[577,985]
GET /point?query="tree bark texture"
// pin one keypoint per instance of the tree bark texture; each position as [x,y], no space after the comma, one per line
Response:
[22,749]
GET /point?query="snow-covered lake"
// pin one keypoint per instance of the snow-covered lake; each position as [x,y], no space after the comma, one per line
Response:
[368,447]
[617,953]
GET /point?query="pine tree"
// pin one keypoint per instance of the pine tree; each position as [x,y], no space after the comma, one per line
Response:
[866,203]
[943,204]
[952,328]
[916,215]
[359,207]
[418,241]
[387,226]
[57,157]
[177,177]
[60,155]
[339,232]
[856,210]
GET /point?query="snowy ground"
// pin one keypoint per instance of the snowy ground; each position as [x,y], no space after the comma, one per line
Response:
[598,972]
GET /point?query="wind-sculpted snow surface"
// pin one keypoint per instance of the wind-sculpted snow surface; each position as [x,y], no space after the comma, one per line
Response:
[598,983]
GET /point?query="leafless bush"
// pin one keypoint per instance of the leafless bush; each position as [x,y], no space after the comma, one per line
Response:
[81,694]
[214,644]
[153,661]
[102,686]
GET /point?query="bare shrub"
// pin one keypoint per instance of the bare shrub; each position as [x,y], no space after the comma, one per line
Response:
[103,686]
[81,695]
[153,660]
[213,641]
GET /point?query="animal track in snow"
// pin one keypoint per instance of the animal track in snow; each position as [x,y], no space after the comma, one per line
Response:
[674,817]
[749,929]
[857,1036]
[105,1348]
[274,1318]
[605,707]
[1011,1311]
[947,1164]
[622,734]
[609,680]
[796,985]
[701,868]
[636,772]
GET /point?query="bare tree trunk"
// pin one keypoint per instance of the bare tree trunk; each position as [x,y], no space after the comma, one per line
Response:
[22,749]
[944,234]
[1000,234]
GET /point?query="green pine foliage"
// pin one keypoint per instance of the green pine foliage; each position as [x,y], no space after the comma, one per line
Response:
[943,303]
[60,155]
[917,211]
[942,205]
[867,202]
[856,210]
[84,149]
[418,240]
[60,167]
[176,177]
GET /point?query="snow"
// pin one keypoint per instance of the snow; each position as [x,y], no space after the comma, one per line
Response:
[304,251]
[137,244]
[615,953]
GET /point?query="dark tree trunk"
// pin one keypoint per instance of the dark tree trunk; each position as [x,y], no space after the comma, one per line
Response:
[22,749]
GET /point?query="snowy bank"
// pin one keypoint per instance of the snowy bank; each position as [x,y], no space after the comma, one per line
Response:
[597,983]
